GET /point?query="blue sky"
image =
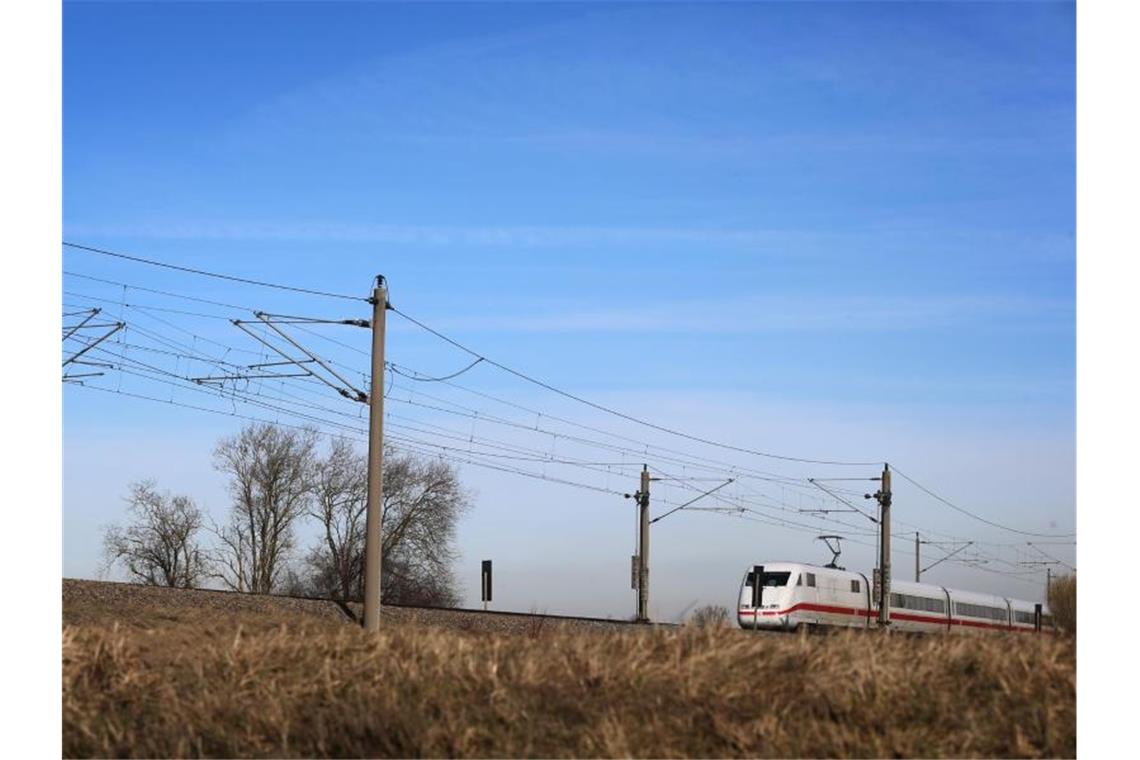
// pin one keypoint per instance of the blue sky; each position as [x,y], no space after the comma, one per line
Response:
[828,230]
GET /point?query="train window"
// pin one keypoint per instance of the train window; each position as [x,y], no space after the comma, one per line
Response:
[855,587]
[799,580]
[774,579]
[1023,617]
[923,603]
[811,579]
[981,611]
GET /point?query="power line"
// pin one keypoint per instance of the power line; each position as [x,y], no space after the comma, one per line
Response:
[574,397]
[454,454]
[838,498]
[204,273]
[421,377]
[396,368]
[457,436]
[968,513]
[643,451]
[204,409]
[424,379]
[457,456]
[468,413]
[616,413]
[143,306]
[223,304]
[135,368]
[1049,556]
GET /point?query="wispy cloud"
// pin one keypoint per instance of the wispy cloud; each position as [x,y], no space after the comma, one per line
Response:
[834,243]
[785,314]
[588,94]
[522,235]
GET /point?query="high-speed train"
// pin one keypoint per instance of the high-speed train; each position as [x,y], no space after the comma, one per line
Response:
[793,596]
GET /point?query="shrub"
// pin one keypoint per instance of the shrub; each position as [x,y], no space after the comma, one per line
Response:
[709,616]
[1063,603]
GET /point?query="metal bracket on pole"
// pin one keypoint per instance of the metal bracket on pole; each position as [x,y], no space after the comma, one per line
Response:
[90,316]
[961,548]
[114,329]
[348,392]
[692,501]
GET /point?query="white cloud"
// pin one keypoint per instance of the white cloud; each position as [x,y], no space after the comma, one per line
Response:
[784,313]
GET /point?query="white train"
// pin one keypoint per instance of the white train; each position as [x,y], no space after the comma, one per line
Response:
[793,596]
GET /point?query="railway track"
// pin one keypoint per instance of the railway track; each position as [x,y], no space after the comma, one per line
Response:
[87,602]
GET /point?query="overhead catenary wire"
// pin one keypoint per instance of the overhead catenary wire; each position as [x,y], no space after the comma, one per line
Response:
[170,378]
[475,416]
[1045,554]
[149,307]
[968,513]
[565,461]
[622,415]
[825,489]
[148,371]
[470,458]
[146,289]
[643,450]
[423,379]
[217,275]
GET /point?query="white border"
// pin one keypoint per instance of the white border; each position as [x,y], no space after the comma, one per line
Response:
[1108,423]
[1107,381]
[30,151]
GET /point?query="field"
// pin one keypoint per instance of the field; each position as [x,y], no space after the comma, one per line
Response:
[167,673]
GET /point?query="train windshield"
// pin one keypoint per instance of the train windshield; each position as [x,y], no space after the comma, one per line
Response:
[774,579]
[769,579]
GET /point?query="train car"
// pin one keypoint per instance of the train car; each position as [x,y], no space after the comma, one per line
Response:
[792,596]
[920,607]
[1023,616]
[975,613]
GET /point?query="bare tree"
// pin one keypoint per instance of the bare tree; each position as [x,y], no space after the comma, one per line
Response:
[159,547]
[422,502]
[271,470]
[340,500]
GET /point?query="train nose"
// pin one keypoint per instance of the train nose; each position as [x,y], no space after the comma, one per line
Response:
[767,616]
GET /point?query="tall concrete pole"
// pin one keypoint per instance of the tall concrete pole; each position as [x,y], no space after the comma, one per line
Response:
[917,571]
[885,548]
[1048,582]
[373,524]
[643,555]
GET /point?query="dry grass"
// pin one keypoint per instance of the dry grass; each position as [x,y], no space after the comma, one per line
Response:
[319,689]
[1063,602]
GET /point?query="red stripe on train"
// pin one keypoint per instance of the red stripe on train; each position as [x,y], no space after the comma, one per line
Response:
[853,611]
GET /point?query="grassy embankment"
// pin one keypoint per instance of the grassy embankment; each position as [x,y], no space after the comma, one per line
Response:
[182,682]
